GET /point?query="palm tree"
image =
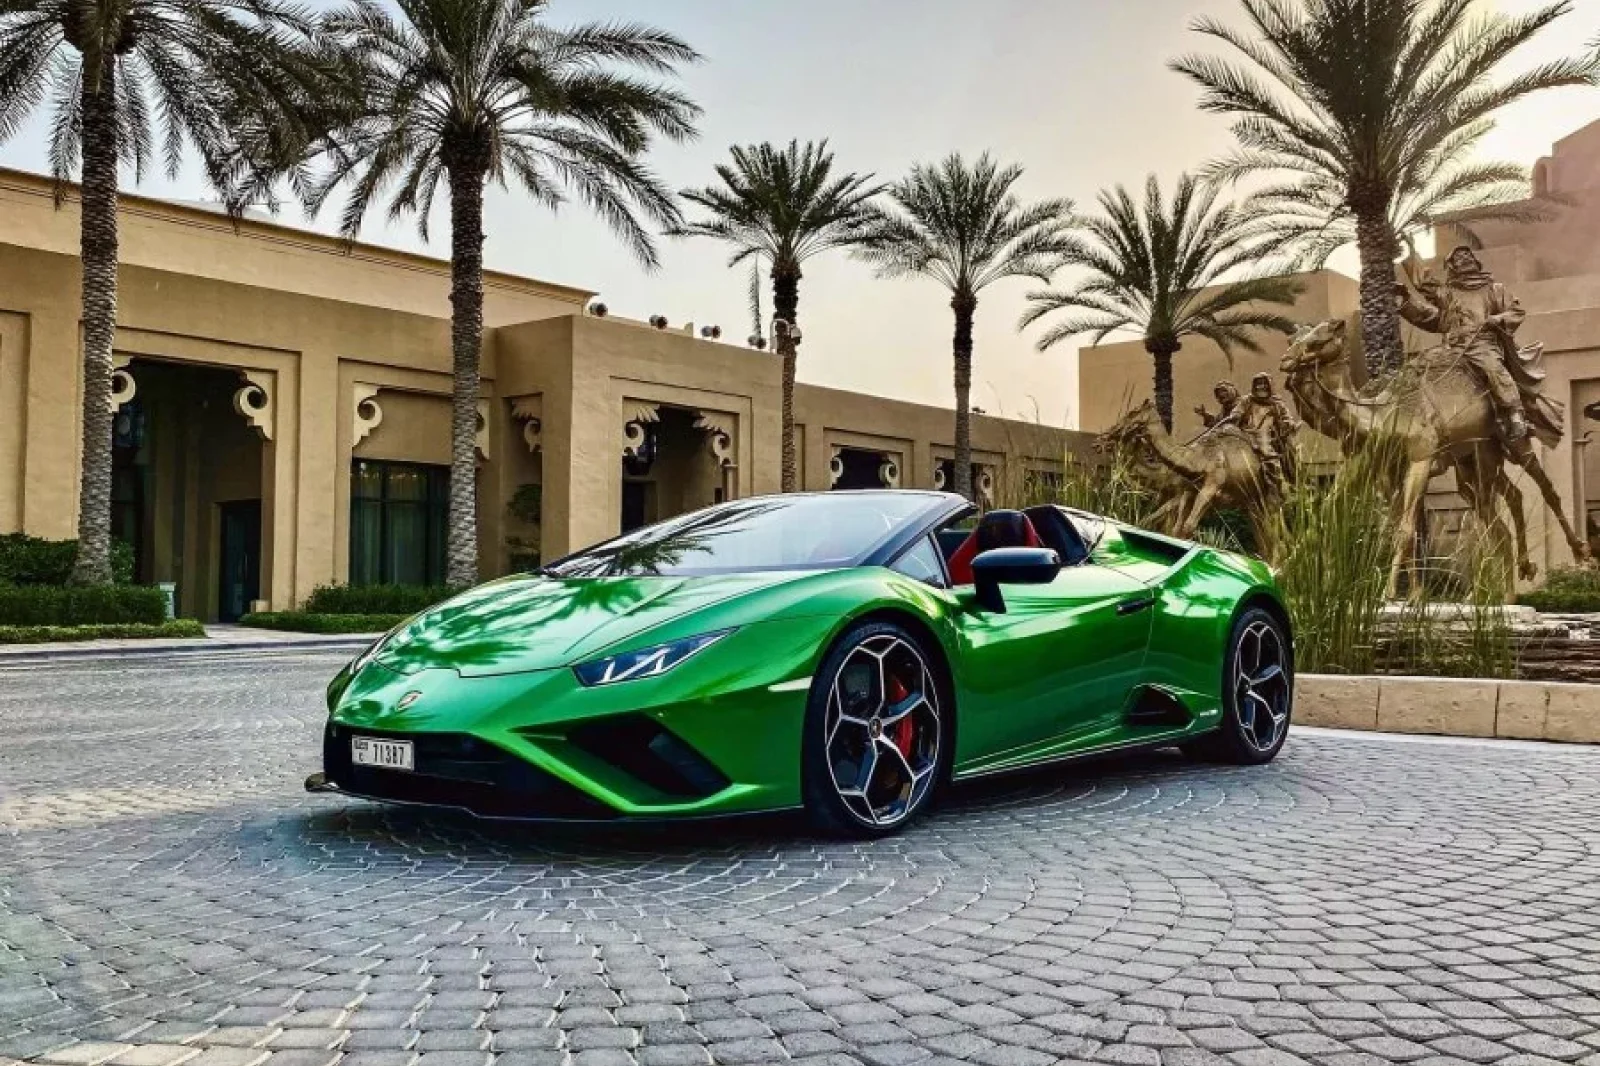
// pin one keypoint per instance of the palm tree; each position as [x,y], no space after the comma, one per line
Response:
[462,92]
[1363,99]
[784,205]
[125,81]
[1309,213]
[1158,270]
[962,226]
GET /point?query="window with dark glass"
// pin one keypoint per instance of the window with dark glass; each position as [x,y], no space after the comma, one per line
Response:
[397,523]
[922,562]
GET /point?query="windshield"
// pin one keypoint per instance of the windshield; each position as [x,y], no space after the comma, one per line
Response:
[814,532]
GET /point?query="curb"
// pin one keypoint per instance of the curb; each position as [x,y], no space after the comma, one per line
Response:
[1460,707]
[68,651]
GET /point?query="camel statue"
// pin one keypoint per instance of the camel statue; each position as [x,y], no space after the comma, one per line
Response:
[1442,418]
[1221,467]
[1151,474]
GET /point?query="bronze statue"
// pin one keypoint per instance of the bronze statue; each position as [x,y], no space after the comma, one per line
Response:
[1266,419]
[1478,320]
[1439,411]
[1227,395]
[1152,475]
[1221,467]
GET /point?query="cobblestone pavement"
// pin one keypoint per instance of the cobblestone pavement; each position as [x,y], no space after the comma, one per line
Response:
[168,894]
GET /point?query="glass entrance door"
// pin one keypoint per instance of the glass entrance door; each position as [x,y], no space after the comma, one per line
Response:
[240,580]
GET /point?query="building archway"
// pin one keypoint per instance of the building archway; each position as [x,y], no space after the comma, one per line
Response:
[674,460]
[189,482]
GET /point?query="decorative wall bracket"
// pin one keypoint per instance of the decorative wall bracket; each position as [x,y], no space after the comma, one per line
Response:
[529,410]
[636,417]
[482,440]
[368,415]
[255,402]
[889,472]
[983,483]
[123,386]
[944,471]
[835,465]
[718,428]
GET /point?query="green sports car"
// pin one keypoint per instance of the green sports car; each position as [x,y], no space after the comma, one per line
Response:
[843,653]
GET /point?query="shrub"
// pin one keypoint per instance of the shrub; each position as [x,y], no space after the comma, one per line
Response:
[1333,563]
[181,627]
[1571,588]
[1112,488]
[374,599]
[26,560]
[308,622]
[45,605]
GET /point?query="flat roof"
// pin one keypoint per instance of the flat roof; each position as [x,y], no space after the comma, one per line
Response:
[273,230]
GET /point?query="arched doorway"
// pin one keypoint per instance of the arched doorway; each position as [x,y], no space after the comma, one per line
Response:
[188,484]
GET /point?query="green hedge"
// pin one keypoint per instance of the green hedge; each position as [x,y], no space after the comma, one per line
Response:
[374,599]
[28,560]
[1570,589]
[44,605]
[182,627]
[312,622]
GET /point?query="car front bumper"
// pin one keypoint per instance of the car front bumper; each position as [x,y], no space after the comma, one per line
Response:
[541,746]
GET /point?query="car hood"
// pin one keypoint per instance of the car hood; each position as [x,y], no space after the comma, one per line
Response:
[529,622]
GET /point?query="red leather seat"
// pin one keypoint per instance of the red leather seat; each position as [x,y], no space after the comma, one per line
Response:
[997,529]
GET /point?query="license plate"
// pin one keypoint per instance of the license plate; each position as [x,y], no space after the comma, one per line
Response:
[389,754]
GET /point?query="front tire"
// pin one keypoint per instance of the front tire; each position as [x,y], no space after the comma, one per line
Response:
[1257,692]
[876,740]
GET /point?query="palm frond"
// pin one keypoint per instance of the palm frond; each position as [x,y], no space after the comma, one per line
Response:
[1160,267]
[486,88]
[958,223]
[782,203]
[1355,105]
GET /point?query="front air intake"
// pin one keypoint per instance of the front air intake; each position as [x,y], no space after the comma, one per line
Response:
[650,753]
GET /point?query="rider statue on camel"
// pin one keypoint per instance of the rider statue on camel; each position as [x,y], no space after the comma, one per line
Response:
[1264,419]
[1478,321]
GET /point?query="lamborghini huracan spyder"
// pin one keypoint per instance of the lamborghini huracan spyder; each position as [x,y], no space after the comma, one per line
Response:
[845,653]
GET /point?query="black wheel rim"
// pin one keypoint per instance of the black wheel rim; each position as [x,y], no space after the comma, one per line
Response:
[1261,686]
[882,730]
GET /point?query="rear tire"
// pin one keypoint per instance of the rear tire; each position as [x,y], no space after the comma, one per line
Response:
[1257,693]
[876,743]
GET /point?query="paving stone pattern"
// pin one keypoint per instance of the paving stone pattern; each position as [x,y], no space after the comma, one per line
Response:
[169,895]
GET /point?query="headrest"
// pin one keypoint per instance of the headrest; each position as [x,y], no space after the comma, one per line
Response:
[1004,529]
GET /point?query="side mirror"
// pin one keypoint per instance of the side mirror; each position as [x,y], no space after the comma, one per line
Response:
[1011,566]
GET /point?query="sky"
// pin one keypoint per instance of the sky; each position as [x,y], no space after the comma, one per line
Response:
[1076,91]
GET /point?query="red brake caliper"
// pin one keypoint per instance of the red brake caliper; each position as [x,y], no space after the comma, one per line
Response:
[901,735]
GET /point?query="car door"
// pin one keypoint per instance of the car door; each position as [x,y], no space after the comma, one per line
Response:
[1051,673]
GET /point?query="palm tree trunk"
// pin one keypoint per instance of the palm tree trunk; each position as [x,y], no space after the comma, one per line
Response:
[965,304]
[1162,355]
[98,250]
[786,308]
[1380,319]
[467,171]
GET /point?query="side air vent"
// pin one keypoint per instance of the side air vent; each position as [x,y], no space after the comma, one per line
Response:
[1164,548]
[643,749]
[1157,707]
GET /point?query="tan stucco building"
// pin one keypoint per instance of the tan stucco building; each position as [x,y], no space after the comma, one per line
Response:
[1553,268]
[283,409]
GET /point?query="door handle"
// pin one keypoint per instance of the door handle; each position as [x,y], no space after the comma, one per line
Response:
[1134,606]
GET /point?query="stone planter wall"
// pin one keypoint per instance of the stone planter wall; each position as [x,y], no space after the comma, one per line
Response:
[1519,710]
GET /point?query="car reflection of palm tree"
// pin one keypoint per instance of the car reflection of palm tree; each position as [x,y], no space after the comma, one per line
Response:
[493,623]
[666,550]
[497,627]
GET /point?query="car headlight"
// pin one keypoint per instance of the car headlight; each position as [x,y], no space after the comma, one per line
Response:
[646,662]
